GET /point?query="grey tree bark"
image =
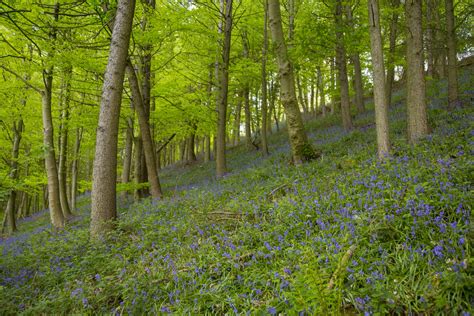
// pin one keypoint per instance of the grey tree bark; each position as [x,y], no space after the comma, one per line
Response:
[152,173]
[322,101]
[380,100]
[127,155]
[63,144]
[453,96]
[221,166]
[13,175]
[75,167]
[300,146]
[55,211]
[104,209]
[416,104]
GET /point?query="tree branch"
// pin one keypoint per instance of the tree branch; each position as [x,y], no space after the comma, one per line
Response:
[22,79]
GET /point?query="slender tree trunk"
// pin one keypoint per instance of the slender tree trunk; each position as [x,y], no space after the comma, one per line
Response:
[301,148]
[440,40]
[322,102]
[127,156]
[155,187]
[358,82]
[453,97]
[207,148]
[138,166]
[276,106]
[430,37]
[391,51]
[238,111]
[248,116]
[342,69]
[105,164]
[10,209]
[264,81]
[63,144]
[191,145]
[246,95]
[334,93]
[221,166]
[380,100]
[300,95]
[56,214]
[416,103]
[75,167]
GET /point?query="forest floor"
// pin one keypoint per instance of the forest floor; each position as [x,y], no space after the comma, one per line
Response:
[344,234]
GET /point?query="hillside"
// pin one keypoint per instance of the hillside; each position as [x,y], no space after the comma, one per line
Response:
[344,234]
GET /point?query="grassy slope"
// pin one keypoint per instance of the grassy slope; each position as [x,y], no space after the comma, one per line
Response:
[269,238]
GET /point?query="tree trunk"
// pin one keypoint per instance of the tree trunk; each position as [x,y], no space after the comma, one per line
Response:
[342,69]
[248,121]
[416,103]
[440,40]
[150,162]
[380,100]
[430,37]
[322,101]
[75,167]
[391,51]
[207,148]
[246,94]
[236,133]
[453,97]
[56,214]
[333,85]
[221,166]
[358,82]
[63,144]
[264,81]
[300,146]
[105,164]
[301,96]
[139,177]
[127,156]
[191,144]
[10,209]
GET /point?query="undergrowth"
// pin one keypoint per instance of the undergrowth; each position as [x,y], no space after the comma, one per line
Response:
[345,234]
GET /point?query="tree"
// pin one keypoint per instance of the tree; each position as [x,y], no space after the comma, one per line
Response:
[63,142]
[264,81]
[147,141]
[380,100]
[453,97]
[105,164]
[391,52]
[416,104]
[342,69]
[223,85]
[355,58]
[13,175]
[300,146]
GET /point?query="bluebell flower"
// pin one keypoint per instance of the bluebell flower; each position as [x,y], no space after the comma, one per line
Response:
[272,310]
[438,251]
